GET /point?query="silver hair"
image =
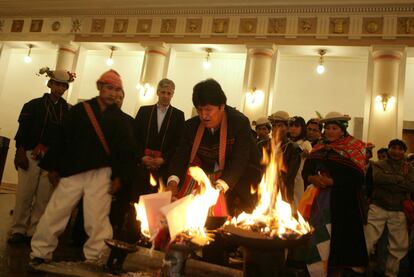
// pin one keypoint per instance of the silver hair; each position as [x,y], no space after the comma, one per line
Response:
[166,83]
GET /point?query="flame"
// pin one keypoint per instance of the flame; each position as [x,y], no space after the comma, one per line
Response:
[272,214]
[162,186]
[142,217]
[153,182]
[197,211]
[187,216]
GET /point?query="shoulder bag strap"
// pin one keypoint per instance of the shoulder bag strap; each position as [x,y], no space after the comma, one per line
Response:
[96,126]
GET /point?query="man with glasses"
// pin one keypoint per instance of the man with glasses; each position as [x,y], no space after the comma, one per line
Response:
[88,161]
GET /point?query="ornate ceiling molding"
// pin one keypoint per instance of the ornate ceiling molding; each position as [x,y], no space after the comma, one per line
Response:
[388,23]
[269,10]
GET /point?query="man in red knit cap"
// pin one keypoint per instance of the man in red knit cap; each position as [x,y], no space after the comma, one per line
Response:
[88,161]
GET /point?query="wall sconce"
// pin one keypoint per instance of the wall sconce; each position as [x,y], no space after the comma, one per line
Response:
[146,89]
[384,101]
[321,68]
[28,58]
[206,62]
[110,61]
[254,96]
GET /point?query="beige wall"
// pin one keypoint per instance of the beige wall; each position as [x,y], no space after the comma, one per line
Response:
[187,70]
[409,91]
[301,91]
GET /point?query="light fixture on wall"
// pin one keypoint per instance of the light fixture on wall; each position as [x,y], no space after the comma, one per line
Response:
[321,68]
[254,96]
[206,62]
[145,89]
[28,58]
[110,61]
[384,101]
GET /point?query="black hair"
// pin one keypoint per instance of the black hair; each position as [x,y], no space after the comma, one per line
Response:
[299,121]
[340,123]
[382,150]
[315,121]
[397,142]
[208,92]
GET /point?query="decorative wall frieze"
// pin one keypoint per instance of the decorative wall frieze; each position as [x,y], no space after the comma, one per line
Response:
[260,26]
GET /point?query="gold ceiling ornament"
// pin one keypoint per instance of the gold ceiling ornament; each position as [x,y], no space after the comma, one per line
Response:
[98,25]
[120,25]
[220,25]
[144,25]
[276,25]
[76,25]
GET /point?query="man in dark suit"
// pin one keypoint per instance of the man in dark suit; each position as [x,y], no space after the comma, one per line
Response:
[158,129]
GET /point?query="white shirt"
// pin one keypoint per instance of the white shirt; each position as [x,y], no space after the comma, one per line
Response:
[161,112]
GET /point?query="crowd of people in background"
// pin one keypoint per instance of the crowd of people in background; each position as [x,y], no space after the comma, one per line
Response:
[94,153]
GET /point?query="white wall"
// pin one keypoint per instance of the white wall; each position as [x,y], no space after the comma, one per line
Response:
[409,91]
[127,64]
[301,91]
[20,84]
[187,70]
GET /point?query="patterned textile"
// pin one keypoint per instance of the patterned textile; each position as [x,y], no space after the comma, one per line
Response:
[348,147]
[317,255]
[220,209]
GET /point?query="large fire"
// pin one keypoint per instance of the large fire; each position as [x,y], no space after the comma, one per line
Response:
[272,216]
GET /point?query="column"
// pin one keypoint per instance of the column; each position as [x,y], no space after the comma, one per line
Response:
[259,76]
[384,101]
[66,57]
[153,71]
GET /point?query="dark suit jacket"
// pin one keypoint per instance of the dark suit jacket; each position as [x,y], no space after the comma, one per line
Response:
[148,136]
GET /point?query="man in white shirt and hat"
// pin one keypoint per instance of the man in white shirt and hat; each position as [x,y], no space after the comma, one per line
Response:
[39,123]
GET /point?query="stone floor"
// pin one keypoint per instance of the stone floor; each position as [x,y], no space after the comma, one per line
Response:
[68,258]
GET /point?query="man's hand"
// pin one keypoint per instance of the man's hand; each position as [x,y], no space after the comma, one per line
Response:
[148,161]
[115,186]
[20,159]
[173,187]
[158,162]
[54,178]
[320,181]
[38,152]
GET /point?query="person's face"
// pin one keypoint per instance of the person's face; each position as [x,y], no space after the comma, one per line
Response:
[210,115]
[396,152]
[333,132]
[108,93]
[382,155]
[119,99]
[312,132]
[262,132]
[57,88]
[165,94]
[279,129]
[294,130]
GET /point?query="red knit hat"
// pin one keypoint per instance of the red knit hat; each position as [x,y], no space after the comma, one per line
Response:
[111,77]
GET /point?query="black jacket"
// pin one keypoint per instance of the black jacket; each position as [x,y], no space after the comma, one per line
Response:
[166,141]
[79,148]
[40,121]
